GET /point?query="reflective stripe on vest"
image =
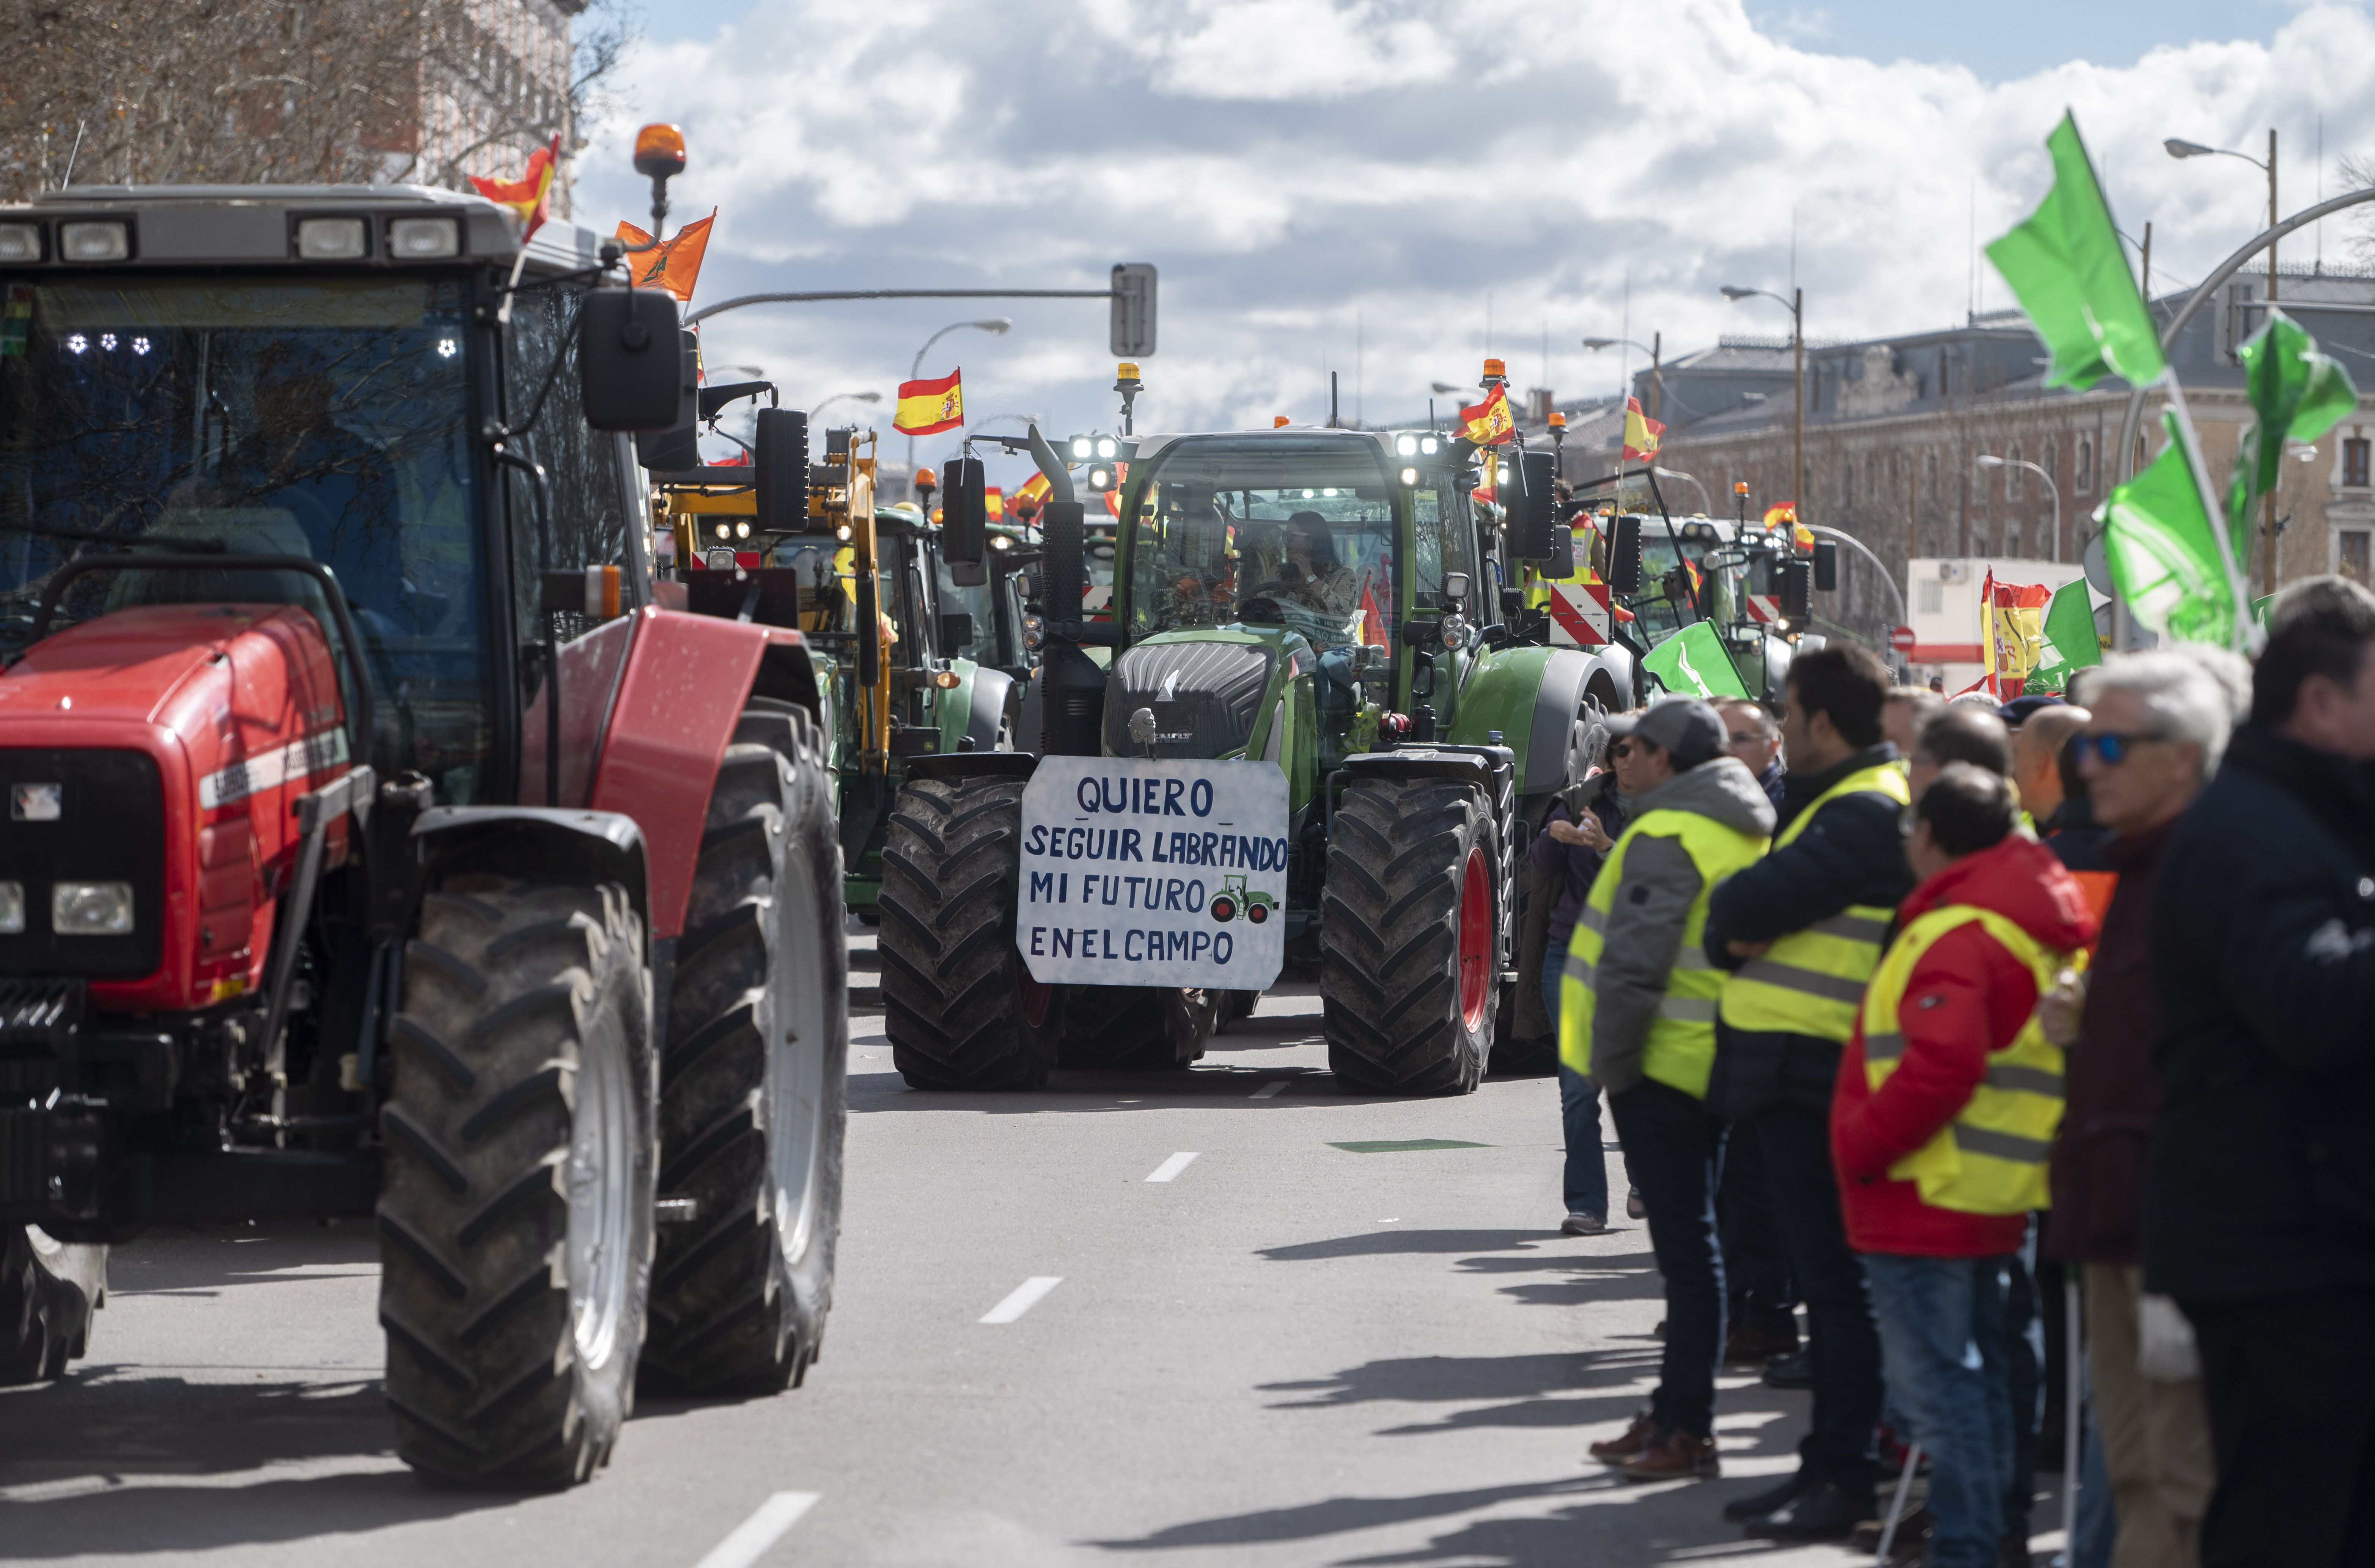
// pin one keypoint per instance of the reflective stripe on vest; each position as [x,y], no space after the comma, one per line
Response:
[1990,1159]
[1680,1049]
[1809,981]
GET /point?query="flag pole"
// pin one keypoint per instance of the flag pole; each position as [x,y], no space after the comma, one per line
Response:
[511,290]
[2237,588]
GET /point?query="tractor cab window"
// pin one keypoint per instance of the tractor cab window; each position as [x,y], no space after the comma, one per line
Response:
[328,418]
[1444,543]
[585,473]
[1290,532]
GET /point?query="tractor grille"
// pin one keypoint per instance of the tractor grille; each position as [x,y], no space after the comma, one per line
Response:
[110,828]
[34,1013]
[1214,700]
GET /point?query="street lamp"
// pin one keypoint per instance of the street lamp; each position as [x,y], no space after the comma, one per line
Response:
[1797,307]
[843,397]
[998,325]
[1990,460]
[1657,375]
[2179,147]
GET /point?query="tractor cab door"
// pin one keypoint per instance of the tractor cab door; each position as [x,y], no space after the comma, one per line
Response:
[1443,553]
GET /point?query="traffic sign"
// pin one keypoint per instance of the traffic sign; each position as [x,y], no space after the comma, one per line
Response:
[1901,638]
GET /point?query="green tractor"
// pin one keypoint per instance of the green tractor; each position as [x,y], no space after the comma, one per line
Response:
[1315,599]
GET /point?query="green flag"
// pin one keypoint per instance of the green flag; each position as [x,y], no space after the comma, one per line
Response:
[2066,267]
[2071,641]
[1694,662]
[2299,394]
[2163,555]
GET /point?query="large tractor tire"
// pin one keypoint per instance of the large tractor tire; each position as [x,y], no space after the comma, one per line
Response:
[1137,1027]
[49,1289]
[515,1207]
[753,1077]
[960,1006]
[1407,976]
[1525,1040]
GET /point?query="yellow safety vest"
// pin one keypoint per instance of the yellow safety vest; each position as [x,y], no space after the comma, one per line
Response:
[1990,1159]
[1680,1047]
[1809,982]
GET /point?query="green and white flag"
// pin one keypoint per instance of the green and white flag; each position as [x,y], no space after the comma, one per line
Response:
[1694,662]
[2071,641]
[2299,394]
[2164,554]
[2066,266]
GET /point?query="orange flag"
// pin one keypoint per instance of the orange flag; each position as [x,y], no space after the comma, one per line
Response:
[1373,619]
[674,266]
[530,196]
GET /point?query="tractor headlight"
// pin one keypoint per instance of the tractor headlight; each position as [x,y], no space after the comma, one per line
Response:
[1455,631]
[1406,446]
[1035,632]
[1409,476]
[94,242]
[720,559]
[1106,448]
[91,909]
[1429,446]
[12,909]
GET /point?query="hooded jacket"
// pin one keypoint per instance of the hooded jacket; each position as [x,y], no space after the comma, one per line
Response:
[1967,996]
[1651,907]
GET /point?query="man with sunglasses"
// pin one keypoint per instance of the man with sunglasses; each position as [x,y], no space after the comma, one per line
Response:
[1802,930]
[2259,1197]
[2145,749]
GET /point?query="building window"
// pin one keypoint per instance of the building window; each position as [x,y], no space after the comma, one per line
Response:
[2350,554]
[2353,464]
[2085,481]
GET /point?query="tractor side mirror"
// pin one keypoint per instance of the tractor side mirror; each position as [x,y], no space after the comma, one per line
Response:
[1559,565]
[956,631]
[1625,555]
[964,521]
[676,445]
[1826,565]
[1533,511]
[1797,585]
[779,470]
[628,377]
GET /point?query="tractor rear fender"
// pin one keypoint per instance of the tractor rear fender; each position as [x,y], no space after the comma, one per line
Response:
[599,847]
[686,682]
[1532,696]
[975,710]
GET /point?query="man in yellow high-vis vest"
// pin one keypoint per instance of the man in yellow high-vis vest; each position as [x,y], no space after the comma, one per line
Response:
[1637,1014]
[1941,1119]
[1802,930]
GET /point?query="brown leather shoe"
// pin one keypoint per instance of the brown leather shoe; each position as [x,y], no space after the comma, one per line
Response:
[1635,1441]
[1672,1455]
[1747,1343]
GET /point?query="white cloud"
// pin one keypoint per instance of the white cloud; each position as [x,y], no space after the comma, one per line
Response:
[1311,174]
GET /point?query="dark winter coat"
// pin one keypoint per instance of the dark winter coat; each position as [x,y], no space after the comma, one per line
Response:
[1852,852]
[1573,862]
[2261,1177]
[1969,996]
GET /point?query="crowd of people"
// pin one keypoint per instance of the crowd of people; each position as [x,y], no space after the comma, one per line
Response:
[1963,1025]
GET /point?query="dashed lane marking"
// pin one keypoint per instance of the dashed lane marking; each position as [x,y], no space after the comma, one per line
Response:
[1028,1295]
[1169,1169]
[1266,1090]
[763,1529]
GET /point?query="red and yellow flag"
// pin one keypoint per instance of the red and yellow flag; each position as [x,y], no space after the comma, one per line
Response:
[1641,433]
[993,503]
[1373,617]
[928,407]
[674,266]
[1780,512]
[1033,491]
[1489,423]
[530,196]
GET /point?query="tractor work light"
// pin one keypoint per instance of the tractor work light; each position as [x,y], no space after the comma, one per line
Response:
[1406,446]
[1082,448]
[1100,479]
[1409,476]
[719,558]
[91,909]
[95,241]
[424,239]
[1106,449]
[1428,446]
[20,242]
[741,530]
[12,909]
[1001,542]
[332,239]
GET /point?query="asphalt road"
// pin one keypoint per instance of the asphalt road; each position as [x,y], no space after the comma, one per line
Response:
[1262,1347]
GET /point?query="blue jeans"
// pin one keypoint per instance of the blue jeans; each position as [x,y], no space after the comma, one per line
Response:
[1586,1161]
[1942,1334]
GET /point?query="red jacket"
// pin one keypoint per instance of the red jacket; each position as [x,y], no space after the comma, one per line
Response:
[1966,997]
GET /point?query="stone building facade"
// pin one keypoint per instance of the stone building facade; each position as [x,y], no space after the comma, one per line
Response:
[495,85]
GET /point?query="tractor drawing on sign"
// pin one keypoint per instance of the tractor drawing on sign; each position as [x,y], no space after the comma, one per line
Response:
[380,843]
[1324,601]
[1233,902]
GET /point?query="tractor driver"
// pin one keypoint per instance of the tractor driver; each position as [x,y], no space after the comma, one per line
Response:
[1313,574]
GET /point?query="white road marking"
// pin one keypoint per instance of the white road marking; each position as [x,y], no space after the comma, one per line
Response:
[1266,1090]
[763,1529]
[1026,1295]
[1170,1169]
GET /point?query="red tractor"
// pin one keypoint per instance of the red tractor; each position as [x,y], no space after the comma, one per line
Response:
[378,843]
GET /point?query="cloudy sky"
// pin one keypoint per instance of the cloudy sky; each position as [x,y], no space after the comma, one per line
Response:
[1392,189]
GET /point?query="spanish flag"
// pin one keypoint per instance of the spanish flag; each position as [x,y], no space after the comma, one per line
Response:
[993,503]
[674,266]
[928,407]
[1780,512]
[1028,498]
[1641,433]
[1488,423]
[530,195]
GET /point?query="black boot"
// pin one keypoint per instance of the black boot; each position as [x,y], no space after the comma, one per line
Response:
[1740,1510]
[1827,1512]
